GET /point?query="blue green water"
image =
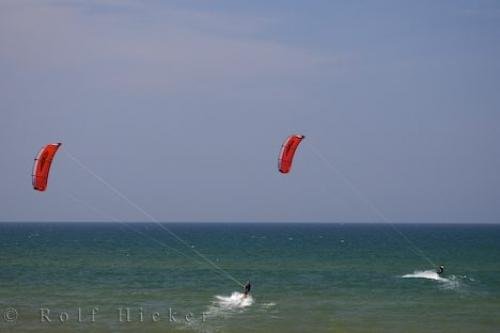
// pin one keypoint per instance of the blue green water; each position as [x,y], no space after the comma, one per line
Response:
[306,278]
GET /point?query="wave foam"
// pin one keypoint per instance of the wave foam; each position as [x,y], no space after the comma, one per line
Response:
[268,305]
[227,305]
[235,301]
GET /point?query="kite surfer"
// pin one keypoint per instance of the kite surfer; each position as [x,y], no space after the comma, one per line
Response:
[247,288]
[440,270]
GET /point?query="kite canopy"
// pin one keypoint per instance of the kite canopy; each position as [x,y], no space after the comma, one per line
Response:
[288,151]
[41,167]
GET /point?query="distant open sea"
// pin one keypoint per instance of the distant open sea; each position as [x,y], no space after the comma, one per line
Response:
[306,277]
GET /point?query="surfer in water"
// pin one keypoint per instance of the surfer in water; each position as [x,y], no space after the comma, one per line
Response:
[440,270]
[247,288]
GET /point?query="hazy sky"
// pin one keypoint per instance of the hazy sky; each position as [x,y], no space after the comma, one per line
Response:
[183,106]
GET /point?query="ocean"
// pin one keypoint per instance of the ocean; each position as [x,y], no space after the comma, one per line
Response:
[306,277]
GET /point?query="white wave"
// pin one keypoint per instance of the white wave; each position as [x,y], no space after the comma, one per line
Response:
[227,305]
[235,301]
[268,305]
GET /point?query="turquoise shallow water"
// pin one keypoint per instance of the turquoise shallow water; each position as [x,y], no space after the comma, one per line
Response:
[306,278]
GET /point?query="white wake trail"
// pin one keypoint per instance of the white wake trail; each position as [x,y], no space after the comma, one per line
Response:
[431,275]
[450,282]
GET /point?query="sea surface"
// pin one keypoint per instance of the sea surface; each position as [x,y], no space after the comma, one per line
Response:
[306,277]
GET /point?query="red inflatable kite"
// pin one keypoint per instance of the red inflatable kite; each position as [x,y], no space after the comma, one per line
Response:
[288,151]
[41,167]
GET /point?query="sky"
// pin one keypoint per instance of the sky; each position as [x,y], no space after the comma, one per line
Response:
[182,107]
